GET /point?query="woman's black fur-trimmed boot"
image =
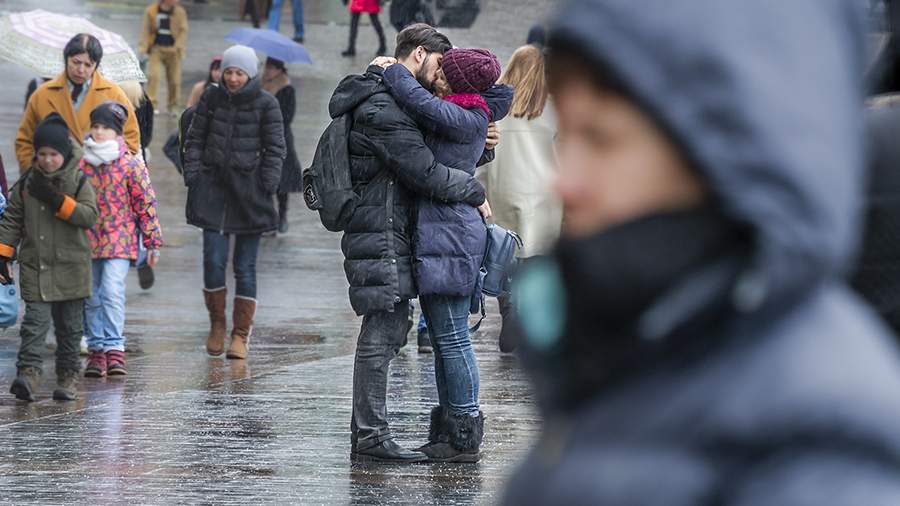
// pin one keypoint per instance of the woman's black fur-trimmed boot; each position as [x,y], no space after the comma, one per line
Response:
[454,438]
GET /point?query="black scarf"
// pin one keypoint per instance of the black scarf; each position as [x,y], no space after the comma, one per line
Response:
[612,278]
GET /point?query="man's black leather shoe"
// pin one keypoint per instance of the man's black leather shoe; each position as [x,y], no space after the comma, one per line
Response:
[387,451]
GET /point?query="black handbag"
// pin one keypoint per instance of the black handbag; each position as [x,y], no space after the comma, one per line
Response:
[497,268]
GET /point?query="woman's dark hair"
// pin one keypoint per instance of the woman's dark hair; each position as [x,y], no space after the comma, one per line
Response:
[81,44]
[213,65]
[278,64]
[537,36]
[420,34]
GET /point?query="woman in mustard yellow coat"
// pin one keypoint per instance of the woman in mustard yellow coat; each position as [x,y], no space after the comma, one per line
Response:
[73,95]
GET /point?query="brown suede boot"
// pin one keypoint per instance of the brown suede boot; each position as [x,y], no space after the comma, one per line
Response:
[215,304]
[244,310]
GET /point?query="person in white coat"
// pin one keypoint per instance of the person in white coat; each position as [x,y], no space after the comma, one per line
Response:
[519,181]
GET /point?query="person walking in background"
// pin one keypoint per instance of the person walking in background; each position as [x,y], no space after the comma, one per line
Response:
[213,76]
[518,180]
[125,202]
[45,226]
[164,39]
[254,8]
[143,111]
[358,8]
[296,11]
[450,239]
[692,338]
[33,85]
[73,95]
[232,169]
[277,82]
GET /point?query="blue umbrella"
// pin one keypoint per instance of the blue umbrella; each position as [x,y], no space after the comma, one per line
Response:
[270,43]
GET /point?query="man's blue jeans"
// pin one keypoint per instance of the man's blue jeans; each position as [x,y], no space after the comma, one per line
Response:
[215,261]
[275,16]
[104,311]
[455,368]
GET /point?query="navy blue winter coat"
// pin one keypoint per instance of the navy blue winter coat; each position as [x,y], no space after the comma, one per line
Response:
[794,397]
[449,239]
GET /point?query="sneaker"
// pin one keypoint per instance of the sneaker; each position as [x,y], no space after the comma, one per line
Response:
[115,361]
[66,385]
[298,39]
[146,278]
[96,366]
[25,384]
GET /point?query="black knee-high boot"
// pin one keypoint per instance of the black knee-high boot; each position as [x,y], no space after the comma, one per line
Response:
[382,43]
[354,29]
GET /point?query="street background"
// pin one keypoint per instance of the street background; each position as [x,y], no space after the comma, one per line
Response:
[187,428]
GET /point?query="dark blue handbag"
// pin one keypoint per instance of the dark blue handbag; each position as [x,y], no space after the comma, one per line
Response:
[497,268]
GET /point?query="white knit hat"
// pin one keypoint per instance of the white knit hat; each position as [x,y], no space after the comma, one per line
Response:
[243,58]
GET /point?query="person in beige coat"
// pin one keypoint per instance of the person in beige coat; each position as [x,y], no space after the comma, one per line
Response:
[164,39]
[519,181]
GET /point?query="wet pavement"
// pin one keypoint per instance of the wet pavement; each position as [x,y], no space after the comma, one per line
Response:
[187,428]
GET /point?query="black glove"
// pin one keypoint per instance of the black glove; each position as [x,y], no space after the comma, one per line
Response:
[6,276]
[42,189]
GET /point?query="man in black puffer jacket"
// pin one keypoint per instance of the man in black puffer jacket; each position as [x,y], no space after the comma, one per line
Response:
[390,167]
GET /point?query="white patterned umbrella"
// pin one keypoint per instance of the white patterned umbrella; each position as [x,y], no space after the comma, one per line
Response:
[36,39]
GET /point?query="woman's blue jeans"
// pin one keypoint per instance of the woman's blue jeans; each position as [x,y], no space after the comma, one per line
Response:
[455,368]
[215,261]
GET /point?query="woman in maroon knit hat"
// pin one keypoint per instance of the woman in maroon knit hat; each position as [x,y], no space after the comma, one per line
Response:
[450,239]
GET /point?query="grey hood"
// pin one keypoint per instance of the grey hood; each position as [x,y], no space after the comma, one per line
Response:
[773,123]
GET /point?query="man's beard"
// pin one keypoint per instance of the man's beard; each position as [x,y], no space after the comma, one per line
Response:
[422,76]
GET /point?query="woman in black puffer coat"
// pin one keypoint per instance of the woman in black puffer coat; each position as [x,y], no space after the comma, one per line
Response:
[232,168]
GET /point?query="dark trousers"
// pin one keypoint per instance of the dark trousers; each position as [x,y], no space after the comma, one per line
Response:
[376,24]
[68,319]
[215,261]
[380,339]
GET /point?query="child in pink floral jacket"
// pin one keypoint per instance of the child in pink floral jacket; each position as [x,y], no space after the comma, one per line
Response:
[125,201]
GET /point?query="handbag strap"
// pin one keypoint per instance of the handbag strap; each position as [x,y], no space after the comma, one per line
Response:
[477,325]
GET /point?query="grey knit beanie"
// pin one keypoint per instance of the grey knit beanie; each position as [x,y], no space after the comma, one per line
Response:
[241,57]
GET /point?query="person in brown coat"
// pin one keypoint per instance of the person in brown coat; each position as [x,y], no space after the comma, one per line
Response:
[164,39]
[73,95]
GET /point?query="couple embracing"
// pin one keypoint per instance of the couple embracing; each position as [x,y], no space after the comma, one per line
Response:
[418,229]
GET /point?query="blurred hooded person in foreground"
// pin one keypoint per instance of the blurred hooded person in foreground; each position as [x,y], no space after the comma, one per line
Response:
[877,272]
[692,339]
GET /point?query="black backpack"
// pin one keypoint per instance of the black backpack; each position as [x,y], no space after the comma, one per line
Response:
[327,187]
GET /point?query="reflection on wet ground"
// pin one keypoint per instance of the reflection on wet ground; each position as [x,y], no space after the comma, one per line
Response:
[186,428]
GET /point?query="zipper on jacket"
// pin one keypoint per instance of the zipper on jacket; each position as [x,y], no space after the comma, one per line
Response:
[233,113]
